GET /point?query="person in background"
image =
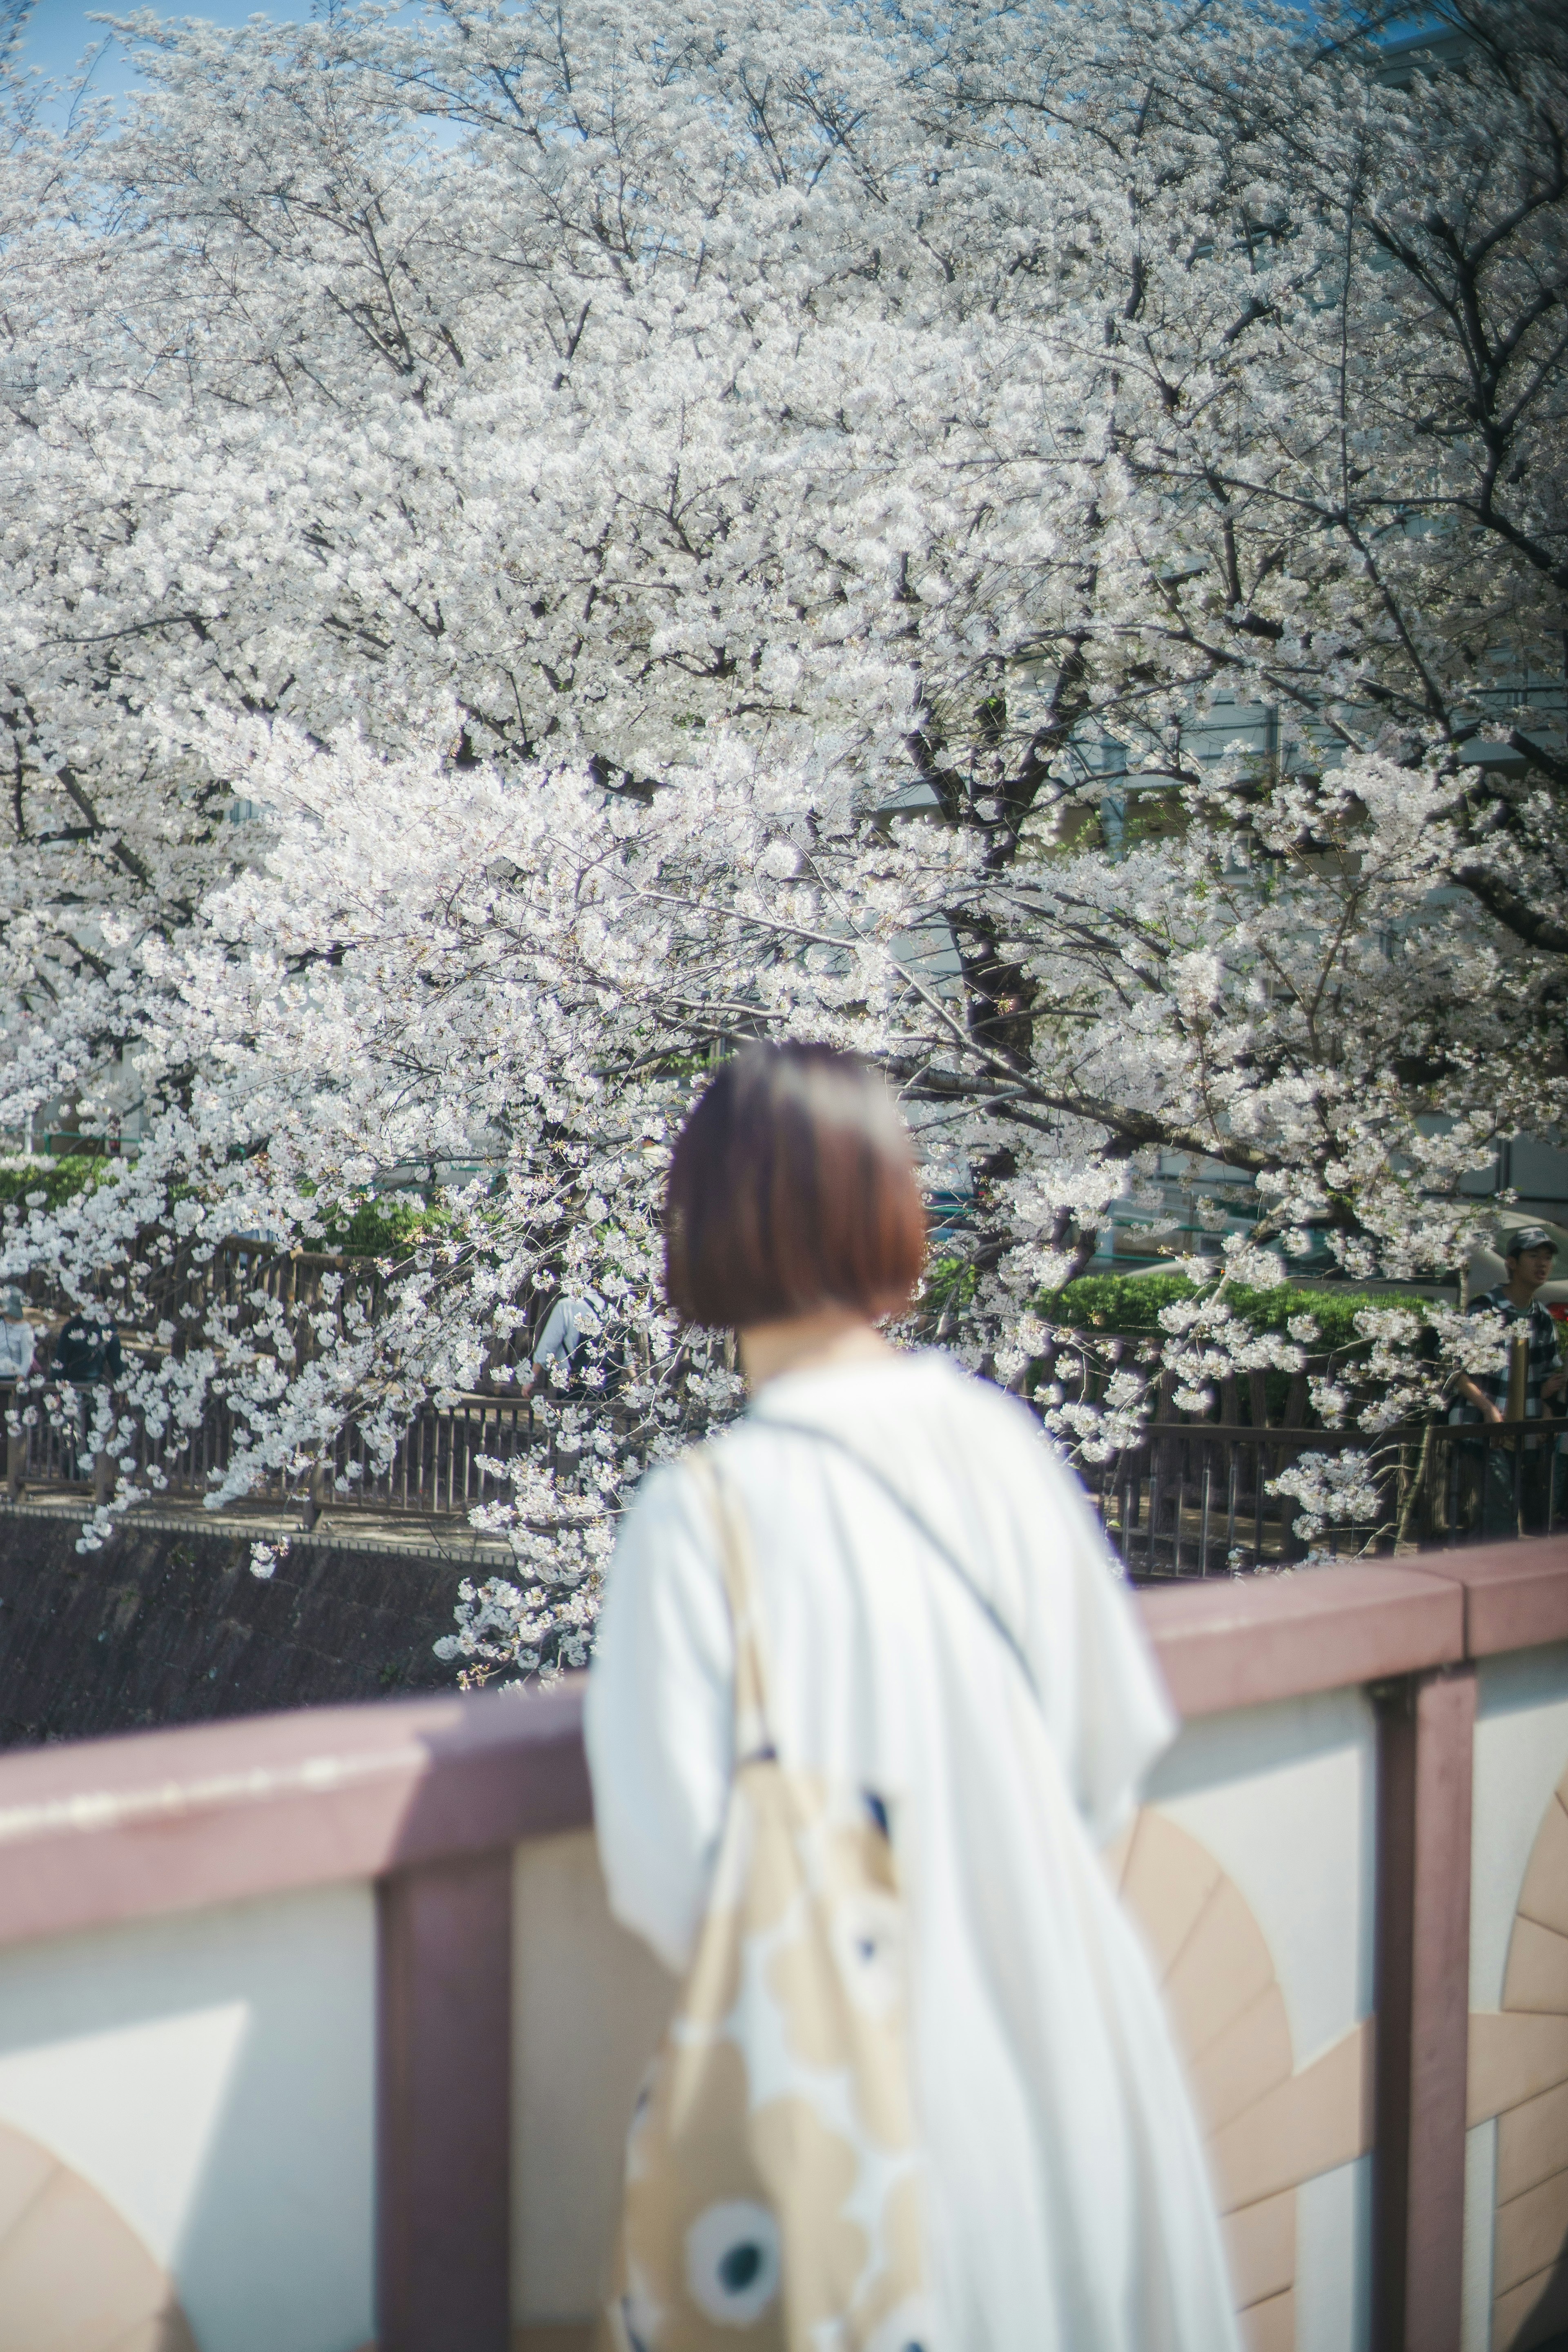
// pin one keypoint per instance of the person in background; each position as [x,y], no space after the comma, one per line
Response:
[947,1643]
[1529,1253]
[86,1358]
[87,1352]
[18,1345]
[574,1316]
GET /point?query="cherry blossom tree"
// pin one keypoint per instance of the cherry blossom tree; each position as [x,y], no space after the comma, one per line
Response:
[541,543]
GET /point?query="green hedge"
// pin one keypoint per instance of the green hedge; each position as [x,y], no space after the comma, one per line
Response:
[57,1179]
[387,1228]
[1131,1305]
[384,1228]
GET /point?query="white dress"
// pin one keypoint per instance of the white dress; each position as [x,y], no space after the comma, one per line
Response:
[1068,2208]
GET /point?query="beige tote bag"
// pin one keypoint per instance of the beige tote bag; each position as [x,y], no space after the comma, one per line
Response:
[774,2186]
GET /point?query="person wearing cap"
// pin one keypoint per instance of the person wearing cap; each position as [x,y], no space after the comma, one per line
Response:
[1529,1252]
[16,1341]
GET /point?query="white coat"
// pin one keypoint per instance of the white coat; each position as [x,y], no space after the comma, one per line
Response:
[1068,2208]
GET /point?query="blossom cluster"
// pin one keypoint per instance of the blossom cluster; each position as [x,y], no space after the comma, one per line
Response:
[1029,545]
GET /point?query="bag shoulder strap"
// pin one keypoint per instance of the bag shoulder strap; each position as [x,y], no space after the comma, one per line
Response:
[753,1733]
[943,1550]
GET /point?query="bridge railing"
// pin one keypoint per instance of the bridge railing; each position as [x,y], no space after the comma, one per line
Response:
[1199,1498]
[1192,1498]
[315,2029]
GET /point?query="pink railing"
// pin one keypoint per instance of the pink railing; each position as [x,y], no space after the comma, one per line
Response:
[428,1800]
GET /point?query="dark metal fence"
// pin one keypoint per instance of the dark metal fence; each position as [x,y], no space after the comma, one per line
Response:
[1194,1499]
[1199,1498]
[229,1277]
[436,1468]
[317,1292]
[1191,1498]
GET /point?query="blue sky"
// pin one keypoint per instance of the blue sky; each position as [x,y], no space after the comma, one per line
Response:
[58,32]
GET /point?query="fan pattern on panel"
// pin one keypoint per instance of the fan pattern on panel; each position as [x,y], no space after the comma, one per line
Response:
[72,2272]
[1270,2128]
[1519,2073]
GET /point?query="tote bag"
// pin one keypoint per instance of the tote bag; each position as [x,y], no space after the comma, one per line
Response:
[774,2184]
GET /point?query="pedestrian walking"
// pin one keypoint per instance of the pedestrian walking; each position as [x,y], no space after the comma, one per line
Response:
[867,1696]
[88,1350]
[575,1319]
[1526,1385]
[18,1345]
[88,1358]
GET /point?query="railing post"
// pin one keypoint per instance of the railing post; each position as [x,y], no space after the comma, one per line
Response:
[15,1446]
[444,2107]
[1425,1737]
[319,1493]
[1257,1398]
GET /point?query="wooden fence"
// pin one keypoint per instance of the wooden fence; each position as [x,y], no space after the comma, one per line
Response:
[435,1469]
[1193,1498]
[1198,1498]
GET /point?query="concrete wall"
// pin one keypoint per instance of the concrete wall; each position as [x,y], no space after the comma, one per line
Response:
[1516,2201]
[1282,1798]
[168,1625]
[262,1982]
[1250,1876]
[211,2077]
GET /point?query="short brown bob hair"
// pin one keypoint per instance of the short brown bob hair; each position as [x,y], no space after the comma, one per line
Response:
[791,1187]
